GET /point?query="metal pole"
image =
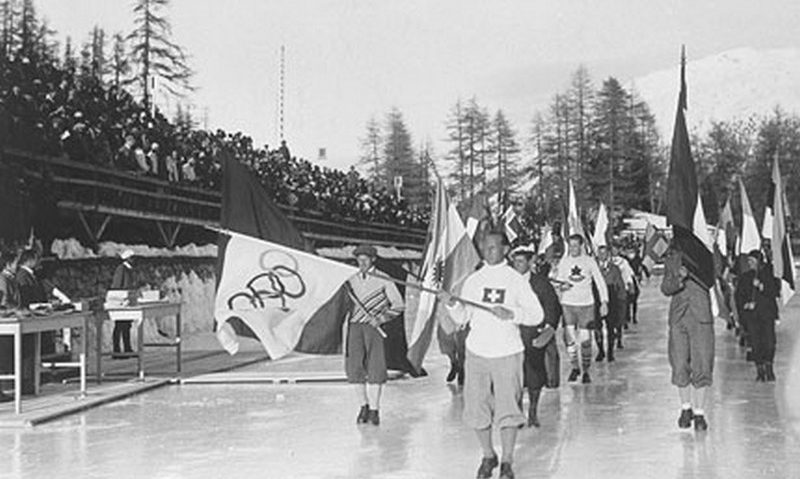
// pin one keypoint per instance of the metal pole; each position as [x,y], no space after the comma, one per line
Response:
[98,335]
[178,339]
[18,369]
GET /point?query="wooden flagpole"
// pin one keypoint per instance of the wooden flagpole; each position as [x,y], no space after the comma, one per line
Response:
[433,291]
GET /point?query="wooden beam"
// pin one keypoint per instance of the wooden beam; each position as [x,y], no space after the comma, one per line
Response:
[174,236]
[87,228]
[102,228]
[193,222]
[73,205]
[163,234]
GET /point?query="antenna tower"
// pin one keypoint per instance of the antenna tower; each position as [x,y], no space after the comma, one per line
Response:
[282,90]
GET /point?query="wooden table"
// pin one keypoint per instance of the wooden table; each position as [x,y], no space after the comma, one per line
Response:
[16,326]
[139,313]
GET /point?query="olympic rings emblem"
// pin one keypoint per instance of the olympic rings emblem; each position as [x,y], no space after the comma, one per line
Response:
[278,280]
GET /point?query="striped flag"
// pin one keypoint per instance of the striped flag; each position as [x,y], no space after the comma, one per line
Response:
[684,210]
[475,213]
[546,240]
[600,228]
[782,259]
[726,237]
[750,239]
[574,222]
[450,256]
[512,225]
[654,246]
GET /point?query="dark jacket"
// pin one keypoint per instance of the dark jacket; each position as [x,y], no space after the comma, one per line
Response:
[124,278]
[766,306]
[31,290]
[548,298]
[690,300]
[9,291]
[617,293]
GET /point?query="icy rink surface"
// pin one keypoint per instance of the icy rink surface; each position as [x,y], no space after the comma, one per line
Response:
[622,425]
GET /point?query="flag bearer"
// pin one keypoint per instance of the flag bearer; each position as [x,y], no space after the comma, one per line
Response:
[691,339]
[375,301]
[756,294]
[500,301]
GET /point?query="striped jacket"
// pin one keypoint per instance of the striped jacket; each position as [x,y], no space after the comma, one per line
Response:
[379,297]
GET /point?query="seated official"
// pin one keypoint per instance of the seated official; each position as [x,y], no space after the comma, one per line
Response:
[10,305]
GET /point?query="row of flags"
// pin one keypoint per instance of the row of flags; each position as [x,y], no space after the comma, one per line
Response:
[272,289]
[573,225]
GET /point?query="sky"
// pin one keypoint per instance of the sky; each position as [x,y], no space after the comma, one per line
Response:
[349,60]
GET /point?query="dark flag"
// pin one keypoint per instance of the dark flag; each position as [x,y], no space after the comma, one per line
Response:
[270,289]
[684,209]
[247,209]
[395,346]
[782,259]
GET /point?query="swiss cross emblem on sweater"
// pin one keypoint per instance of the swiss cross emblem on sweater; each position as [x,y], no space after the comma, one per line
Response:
[576,274]
[494,296]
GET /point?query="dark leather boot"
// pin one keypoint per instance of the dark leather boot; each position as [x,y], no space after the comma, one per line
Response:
[769,372]
[533,418]
[454,367]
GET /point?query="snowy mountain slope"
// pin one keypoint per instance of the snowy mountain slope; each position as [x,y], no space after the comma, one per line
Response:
[735,84]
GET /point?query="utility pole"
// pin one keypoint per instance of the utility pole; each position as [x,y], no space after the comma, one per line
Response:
[282,92]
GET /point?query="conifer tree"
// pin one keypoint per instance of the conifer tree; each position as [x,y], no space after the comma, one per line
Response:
[120,64]
[399,158]
[456,135]
[7,33]
[372,152]
[505,148]
[156,55]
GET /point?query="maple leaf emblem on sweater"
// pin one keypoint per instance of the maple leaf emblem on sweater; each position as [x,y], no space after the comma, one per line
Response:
[576,274]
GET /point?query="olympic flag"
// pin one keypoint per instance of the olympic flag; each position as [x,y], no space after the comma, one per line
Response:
[275,290]
[268,288]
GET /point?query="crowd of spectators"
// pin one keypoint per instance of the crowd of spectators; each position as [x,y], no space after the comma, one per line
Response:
[55,110]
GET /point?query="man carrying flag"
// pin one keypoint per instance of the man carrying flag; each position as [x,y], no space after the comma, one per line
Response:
[375,301]
[499,300]
[688,276]
[269,288]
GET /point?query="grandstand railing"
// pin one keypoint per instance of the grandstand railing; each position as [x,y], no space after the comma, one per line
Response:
[92,188]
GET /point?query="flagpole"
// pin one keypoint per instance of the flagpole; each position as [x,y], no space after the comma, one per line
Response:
[352,294]
[433,291]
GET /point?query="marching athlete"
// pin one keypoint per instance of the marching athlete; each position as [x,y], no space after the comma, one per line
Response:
[576,272]
[494,358]
[375,301]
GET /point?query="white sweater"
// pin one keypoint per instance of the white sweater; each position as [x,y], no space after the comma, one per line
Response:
[496,285]
[579,272]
